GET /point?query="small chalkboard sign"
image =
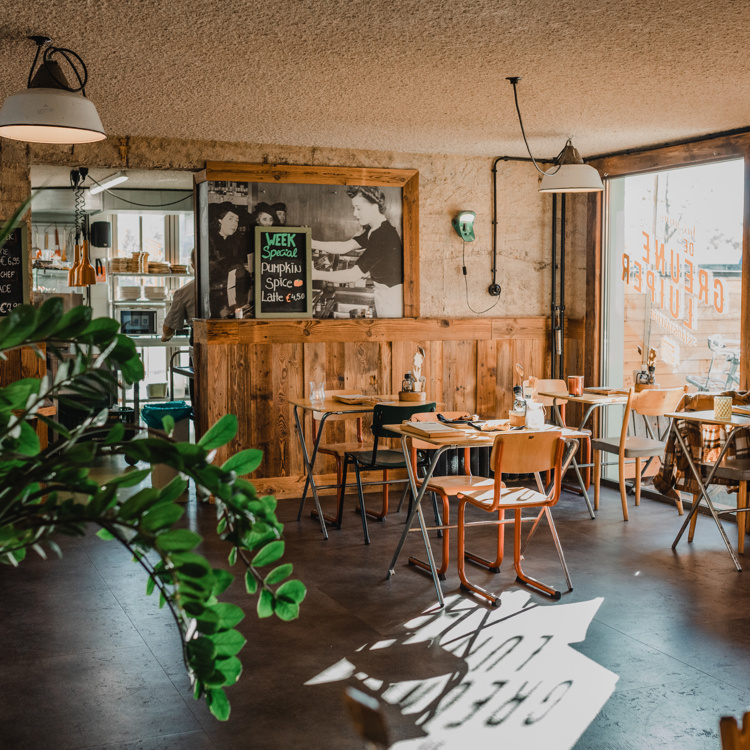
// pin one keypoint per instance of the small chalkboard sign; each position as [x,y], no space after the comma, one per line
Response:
[283,272]
[14,286]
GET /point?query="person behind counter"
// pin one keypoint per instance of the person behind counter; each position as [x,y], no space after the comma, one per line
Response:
[181,312]
[182,309]
[383,256]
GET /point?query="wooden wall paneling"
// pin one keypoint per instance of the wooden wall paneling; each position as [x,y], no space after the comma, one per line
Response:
[505,367]
[402,354]
[530,354]
[487,386]
[460,375]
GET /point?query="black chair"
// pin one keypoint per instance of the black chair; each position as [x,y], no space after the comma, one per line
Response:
[383,458]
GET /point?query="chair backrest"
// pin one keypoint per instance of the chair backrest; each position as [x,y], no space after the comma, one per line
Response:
[395,414]
[550,385]
[528,453]
[732,737]
[656,402]
[650,402]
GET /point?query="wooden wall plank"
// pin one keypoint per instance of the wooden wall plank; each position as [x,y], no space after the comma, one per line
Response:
[256,379]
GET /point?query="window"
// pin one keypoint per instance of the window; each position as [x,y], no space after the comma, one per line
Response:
[673,276]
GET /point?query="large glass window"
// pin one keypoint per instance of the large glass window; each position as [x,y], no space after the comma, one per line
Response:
[673,276]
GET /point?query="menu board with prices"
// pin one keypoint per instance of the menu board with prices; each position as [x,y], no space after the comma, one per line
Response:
[283,272]
[13,272]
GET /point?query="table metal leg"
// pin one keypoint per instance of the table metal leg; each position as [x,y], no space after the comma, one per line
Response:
[416,510]
[309,469]
[581,483]
[704,493]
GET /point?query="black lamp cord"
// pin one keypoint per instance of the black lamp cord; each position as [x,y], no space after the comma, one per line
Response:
[144,205]
[68,55]
[514,82]
[466,282]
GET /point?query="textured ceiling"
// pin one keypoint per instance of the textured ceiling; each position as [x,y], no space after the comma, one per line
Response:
[402,75]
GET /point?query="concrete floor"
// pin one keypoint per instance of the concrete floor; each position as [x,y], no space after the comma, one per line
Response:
[648,651]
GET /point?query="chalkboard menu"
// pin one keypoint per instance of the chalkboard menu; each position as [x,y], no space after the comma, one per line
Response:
[14,287]
[283,272]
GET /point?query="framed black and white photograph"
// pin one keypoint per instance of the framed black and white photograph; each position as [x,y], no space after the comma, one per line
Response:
[360,250]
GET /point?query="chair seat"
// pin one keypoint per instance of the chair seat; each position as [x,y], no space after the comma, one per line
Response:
[635,447]
[339,449]
[385,459]
[514,497]
[461,483]
[737,469]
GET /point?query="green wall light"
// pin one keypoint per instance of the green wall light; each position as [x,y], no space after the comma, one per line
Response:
[463,223]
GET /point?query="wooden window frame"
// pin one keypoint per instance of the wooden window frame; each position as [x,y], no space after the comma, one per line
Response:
[705,151]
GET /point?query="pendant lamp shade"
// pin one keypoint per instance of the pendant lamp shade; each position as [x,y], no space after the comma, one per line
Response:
[572,178]
[50,110]
[50,116]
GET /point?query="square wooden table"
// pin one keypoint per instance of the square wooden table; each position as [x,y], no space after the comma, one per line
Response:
[591,401]
[328,407]
[477,439]
[707,417]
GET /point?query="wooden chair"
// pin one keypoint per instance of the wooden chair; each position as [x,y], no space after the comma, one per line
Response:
[375,458]
[445,486]
[653,402]
[554,385]
[516,453]
[338,450]
[732,737]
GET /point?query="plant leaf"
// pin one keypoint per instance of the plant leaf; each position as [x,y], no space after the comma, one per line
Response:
[278,574]
[294,591]
[220,434]
[244,462]
[161,517]
[178,540]
[218,704]
[268,554]
[265,604]
[251,583]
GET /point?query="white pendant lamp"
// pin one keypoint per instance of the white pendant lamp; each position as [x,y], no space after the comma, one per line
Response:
[50,110]
[570,174]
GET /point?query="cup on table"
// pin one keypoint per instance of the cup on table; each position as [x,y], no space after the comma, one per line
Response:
[722,407]
[575,385]
[317,392]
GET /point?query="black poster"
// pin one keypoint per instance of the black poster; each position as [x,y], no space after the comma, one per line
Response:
[283,272]
[13,272]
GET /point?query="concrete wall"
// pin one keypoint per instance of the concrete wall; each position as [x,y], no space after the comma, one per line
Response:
[447,184]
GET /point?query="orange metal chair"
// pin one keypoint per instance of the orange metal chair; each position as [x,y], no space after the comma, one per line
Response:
[516,453]
[445,486]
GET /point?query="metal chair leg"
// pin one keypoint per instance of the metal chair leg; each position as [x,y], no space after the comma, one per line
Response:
[362,502]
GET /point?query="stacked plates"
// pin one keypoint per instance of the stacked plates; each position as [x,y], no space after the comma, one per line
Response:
[123,265]
[155,292]
[129,292]
[156,267]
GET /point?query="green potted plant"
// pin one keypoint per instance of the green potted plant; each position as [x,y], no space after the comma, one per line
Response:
[49,491]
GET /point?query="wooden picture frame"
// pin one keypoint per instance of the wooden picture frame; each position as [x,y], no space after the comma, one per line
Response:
[283,282]
[405,179]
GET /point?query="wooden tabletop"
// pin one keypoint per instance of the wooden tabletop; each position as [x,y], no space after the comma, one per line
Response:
[339,407]
[707,417]
[466,438]
[586,398]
